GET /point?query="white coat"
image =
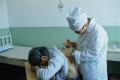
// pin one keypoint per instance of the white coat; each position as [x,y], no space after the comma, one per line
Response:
[91,53]
[57,66]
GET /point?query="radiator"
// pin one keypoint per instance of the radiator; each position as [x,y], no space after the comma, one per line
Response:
[5,42]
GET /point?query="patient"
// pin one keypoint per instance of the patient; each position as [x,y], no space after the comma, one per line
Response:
[51,64]
[72,70]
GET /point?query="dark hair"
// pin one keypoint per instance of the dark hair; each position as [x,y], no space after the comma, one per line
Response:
[35,55]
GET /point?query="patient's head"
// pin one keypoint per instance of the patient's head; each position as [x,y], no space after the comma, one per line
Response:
[38,56]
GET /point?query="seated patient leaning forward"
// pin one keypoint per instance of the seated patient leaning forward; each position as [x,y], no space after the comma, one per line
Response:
[50,63]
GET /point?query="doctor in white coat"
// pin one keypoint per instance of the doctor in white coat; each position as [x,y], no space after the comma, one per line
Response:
[90,50]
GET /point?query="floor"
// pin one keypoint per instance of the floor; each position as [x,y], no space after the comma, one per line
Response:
[11,72]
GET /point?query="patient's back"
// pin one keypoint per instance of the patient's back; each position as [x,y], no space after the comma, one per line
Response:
[72,69]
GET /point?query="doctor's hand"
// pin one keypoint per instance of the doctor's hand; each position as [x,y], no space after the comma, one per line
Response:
[68,43]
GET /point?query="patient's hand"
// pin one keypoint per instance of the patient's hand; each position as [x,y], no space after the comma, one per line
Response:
[34,68]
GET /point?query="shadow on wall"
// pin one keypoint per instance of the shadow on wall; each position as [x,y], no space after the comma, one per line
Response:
[4,31]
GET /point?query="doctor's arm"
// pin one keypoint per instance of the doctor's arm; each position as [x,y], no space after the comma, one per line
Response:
[91,51]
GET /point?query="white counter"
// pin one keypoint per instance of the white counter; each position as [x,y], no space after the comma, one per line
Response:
[113,54]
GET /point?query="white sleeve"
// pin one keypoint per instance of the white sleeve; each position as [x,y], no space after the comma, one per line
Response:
[77,54]
[48,72]
[93,50]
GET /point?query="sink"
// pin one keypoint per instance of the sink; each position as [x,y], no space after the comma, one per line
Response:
[111,49]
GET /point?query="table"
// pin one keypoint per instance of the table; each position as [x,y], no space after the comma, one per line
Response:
[29,74]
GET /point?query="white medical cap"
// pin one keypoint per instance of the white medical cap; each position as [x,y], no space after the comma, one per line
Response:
[76,18]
